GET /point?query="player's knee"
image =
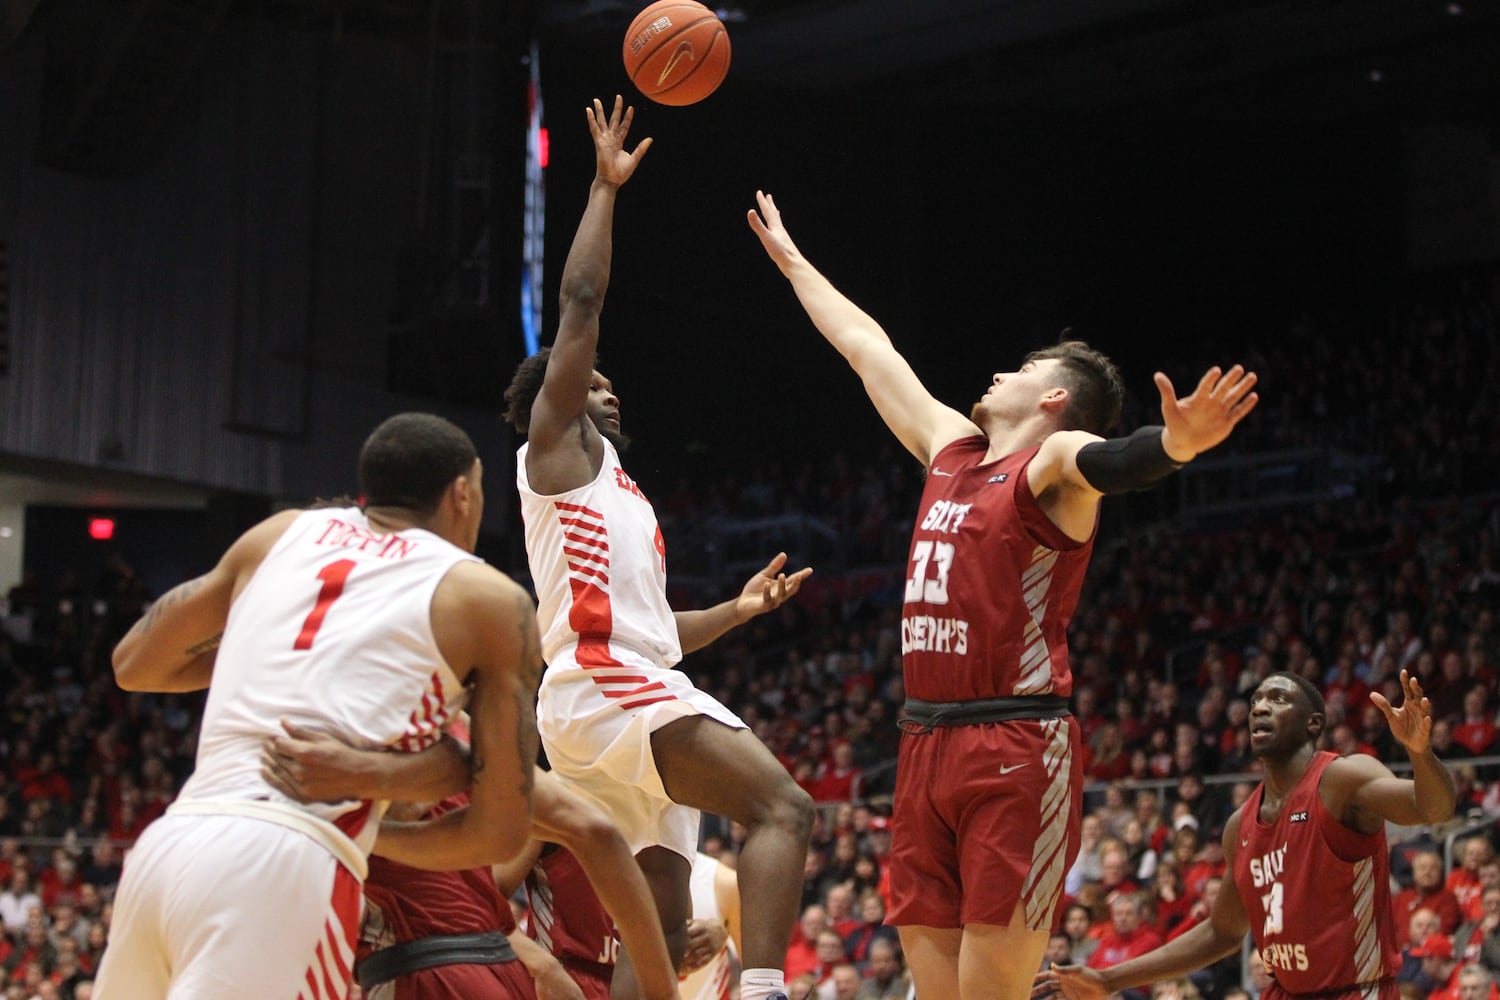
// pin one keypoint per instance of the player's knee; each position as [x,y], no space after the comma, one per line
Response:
[793,809]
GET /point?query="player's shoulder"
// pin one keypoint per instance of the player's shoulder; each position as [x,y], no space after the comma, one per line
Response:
[1345,775]
[479,593]
[477,581]
[251,547]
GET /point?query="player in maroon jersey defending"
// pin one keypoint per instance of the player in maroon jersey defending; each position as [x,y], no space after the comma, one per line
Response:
[1308,856]
[989,778]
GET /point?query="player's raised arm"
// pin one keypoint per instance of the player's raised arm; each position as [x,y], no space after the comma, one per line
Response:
[173,645]
[921,423]
[1073,469]
[558,413]
[1363,792]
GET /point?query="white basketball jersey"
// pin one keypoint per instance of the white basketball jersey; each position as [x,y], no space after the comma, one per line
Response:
[712,981]
[331,633]
[599,565]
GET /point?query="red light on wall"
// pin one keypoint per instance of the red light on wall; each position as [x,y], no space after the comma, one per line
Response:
[543,148]
[101,529]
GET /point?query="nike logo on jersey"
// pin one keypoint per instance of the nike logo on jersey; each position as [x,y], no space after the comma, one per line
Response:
[1007,768]
[940,472]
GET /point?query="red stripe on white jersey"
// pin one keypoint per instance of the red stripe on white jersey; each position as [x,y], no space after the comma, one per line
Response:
[648,701]
[587,556]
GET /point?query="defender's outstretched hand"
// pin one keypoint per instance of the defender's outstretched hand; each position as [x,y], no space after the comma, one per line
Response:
[1069,982]
[773,235]
[1198,422]
[1412,722]
[613,165]
[769,589]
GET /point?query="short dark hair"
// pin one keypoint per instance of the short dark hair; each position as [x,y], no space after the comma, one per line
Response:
[1309,690]
[409,460]
[1095,390]
[523,389]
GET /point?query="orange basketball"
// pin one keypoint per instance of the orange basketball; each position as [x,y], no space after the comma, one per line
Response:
[676,52]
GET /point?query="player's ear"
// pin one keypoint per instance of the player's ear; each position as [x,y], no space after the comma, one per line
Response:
[1315,723]
[461,493]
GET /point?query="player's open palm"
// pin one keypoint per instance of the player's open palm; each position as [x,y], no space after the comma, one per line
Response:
[1198,422]
[1069,982]
[1412,722]
[613,164]
[770,588]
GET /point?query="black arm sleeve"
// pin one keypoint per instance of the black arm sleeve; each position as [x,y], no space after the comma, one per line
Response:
[1120,465]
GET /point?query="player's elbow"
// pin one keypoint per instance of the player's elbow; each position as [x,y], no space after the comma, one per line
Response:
[594,835]
[581,296]
[129,675]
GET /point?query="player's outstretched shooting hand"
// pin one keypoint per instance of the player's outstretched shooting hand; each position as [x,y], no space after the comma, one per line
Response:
[1412,722]
[613,165]
[769,589]
[1068,982]
[310,767]
[1198,422]
[766,223]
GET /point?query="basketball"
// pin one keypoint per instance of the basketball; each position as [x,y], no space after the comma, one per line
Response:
[676,52]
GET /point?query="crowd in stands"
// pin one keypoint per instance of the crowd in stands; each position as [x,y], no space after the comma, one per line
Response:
[1178,622]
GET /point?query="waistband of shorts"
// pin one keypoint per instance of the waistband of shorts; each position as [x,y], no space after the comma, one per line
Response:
[921,717]
[325,833]
[484,948]
[632,654]
[1339,991]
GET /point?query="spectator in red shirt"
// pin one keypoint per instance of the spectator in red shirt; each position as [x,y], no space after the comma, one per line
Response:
[840,908]
[1114,870]
[1208,864]
[802,953]
[1471,982]
[1173,904]
[1464,881]
[1346,743]
[1127,936]
[44,781]
[1427,892]
[60,881]
[1108,760]
[839,780]
[1475,731]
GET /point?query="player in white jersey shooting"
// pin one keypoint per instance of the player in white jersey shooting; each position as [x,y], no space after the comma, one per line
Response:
[617,722]
[370,624]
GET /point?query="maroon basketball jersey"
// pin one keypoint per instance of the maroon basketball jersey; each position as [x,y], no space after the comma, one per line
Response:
[408,903]
[567,917]
[1317,893]
[991,583]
